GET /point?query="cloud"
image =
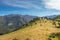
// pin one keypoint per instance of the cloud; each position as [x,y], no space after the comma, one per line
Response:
[34,4]
[52,4]
[23,3]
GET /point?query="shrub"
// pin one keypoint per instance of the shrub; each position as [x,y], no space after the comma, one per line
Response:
[58,25]
[35,23]
[52,35]
[40,24]
[26,25]
[58,34]
[15,39]
[1,33]
[49,39]
[27,39]
[54,23]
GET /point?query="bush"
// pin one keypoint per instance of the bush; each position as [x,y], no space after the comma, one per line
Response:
[49,39]
[57,34]
[27,39]
[1,33]
[40,24]
[58,25]
[26,25]
[15,39]
[52,35]
[35,23]
[54,23]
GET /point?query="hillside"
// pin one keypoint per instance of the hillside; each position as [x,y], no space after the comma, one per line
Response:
[37,29]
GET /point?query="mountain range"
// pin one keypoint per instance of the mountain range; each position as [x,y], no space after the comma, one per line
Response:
[13,21]
[37,28]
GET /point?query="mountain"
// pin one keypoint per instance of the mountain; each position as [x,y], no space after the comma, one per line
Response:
[12,22]
[37,29]
[57,18]
[52,16]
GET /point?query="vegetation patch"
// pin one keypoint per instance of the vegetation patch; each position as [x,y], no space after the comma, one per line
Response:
[15,39]
[54,36]
[27,39]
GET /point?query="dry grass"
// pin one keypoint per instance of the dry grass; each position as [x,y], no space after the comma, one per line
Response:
[39,31]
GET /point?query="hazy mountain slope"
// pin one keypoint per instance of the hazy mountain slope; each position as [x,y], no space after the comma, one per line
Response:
[13,21]
[40,29]
[57,18]
[52,16]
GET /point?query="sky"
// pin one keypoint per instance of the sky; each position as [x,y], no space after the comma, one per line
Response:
[30,7]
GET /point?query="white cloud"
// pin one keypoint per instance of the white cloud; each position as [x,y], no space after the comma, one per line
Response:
[52,4]
[32,4]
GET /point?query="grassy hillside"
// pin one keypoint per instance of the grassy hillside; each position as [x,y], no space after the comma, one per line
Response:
[37,29]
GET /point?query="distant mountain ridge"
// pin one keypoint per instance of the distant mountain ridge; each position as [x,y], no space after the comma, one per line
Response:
[54,17]
[13,21]
[51,16]
[40,28]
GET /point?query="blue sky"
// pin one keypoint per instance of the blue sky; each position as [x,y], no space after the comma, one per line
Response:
[30,7]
